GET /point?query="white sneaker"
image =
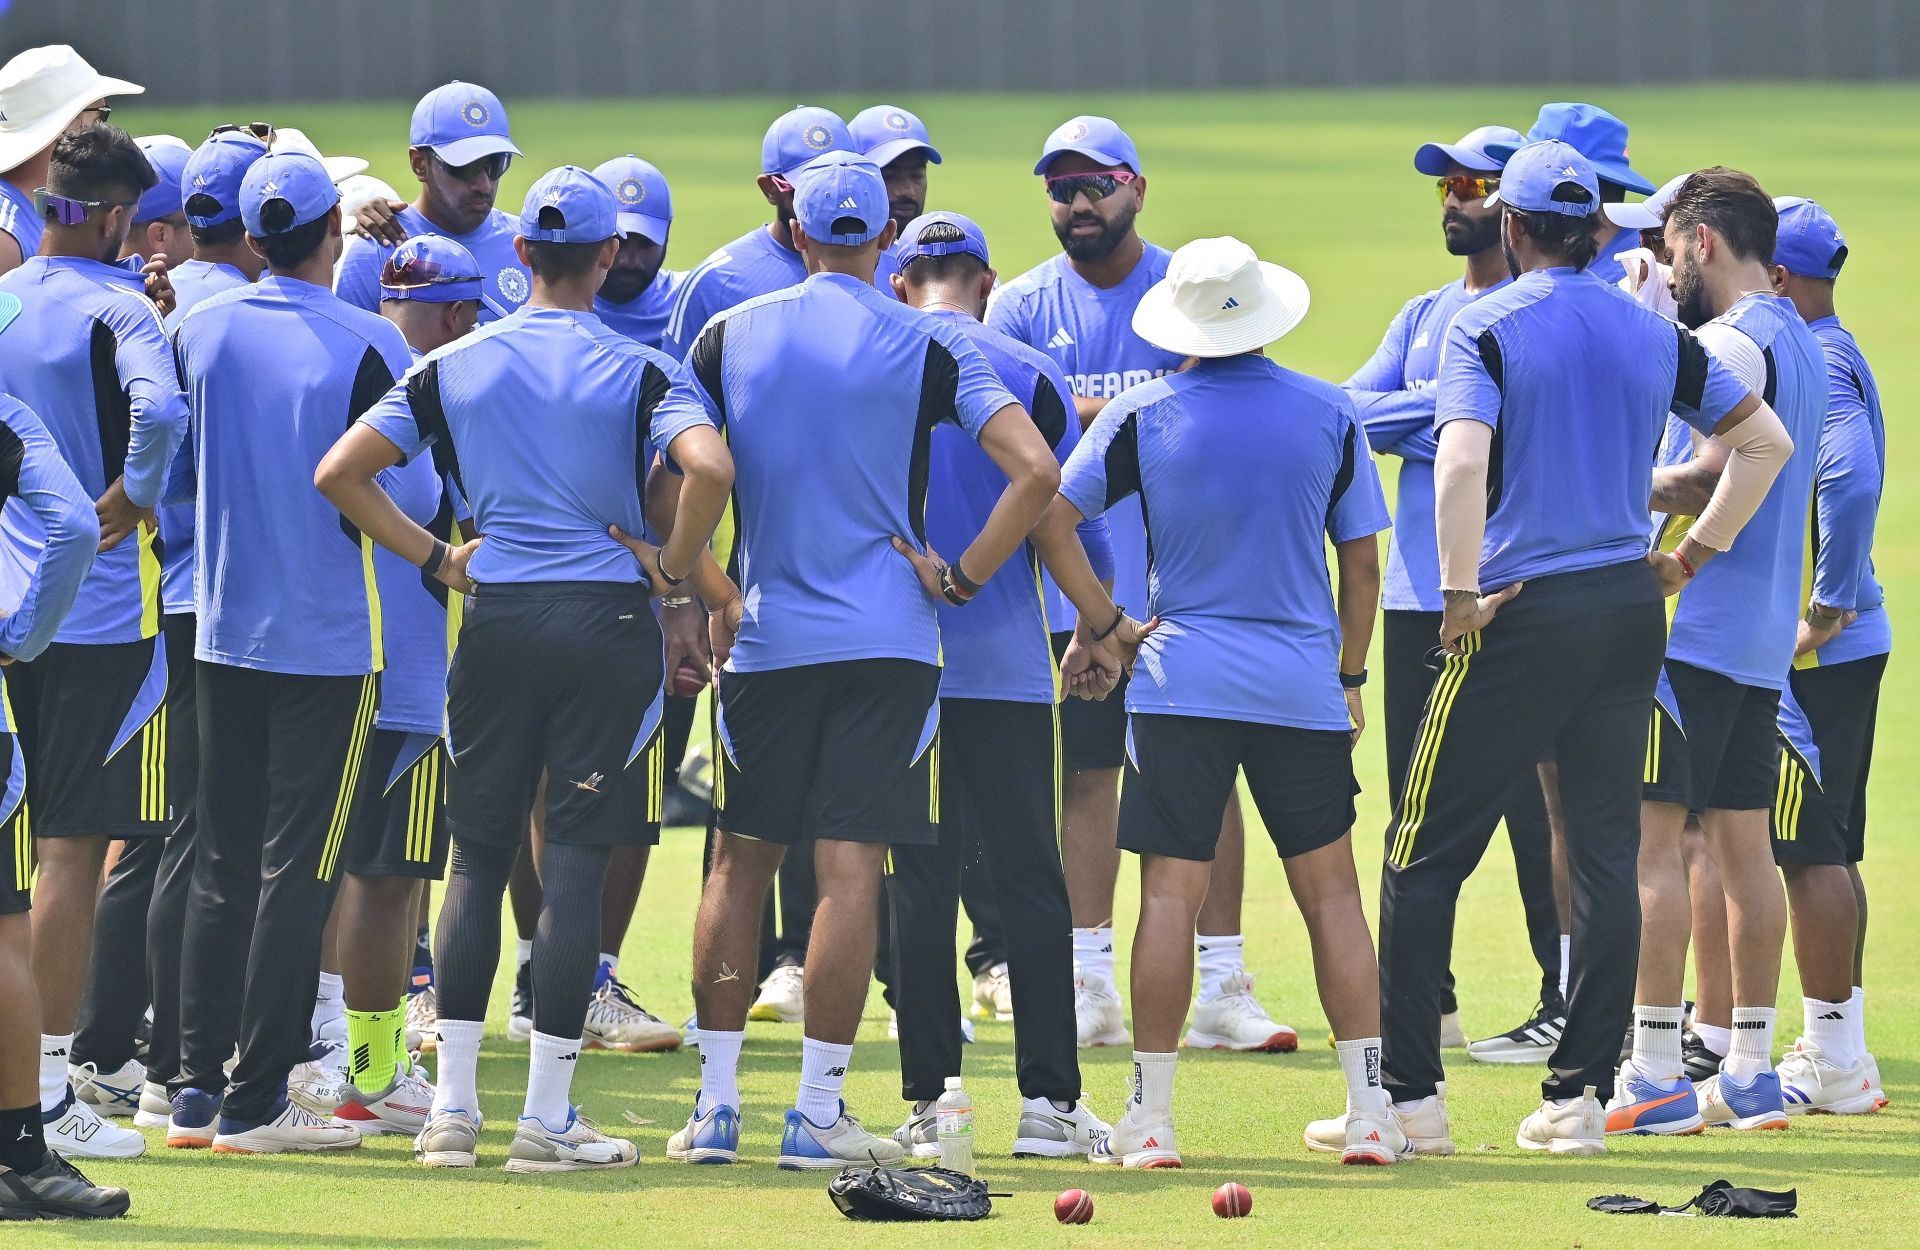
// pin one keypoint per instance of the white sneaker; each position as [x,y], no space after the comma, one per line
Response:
[155,1109]
[423,1021]
[78,1132]
[1046,1132]
[917,1134]
[294,1129]
[115,1093]
[993,995]
[1812,1083]
[1424,1124]
[1574,1126]
[1097,1012]
[579,1147]
[616,1022]
[782,997]
[520,1014]
[1373,1141]
[1136,1142]
[1453,1035]
[1873,1075]
[449,1139]
[316,1085]
[805,1145]
[402,1107]
[1233,1019]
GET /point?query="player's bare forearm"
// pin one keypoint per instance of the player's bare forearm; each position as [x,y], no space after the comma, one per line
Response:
[707,468]
[1033,475]
[1087,409]
[1682,489]
[346,477]
[1460,501]
[662,499]
[1057,539]
[1359,599]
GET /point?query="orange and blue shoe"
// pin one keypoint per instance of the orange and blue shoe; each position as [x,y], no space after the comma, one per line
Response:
[1653,1108]
[1754,1104]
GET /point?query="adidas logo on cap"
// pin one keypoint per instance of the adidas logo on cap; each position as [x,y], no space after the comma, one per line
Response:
[849,202]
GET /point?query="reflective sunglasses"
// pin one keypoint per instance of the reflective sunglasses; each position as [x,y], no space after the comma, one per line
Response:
[780,184]
[262,131]
[1466,186]
[102,111]
[418,271]
[494,167]
[1062,188]
[67,211]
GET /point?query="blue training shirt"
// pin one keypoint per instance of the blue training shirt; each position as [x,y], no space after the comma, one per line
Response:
[1394,394]
[829,393]
[505,282]
[1576,380]
[276,372]
[19,219]
[644,317]
[32,472]
[1606,264]
[547,421]
[751,266]
[1849,478]
[1089,332]
[89,357]
[998,645]
[1740,615]
[1244,469]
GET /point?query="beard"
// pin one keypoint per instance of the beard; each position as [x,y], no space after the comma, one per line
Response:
[1690,293]
[1507,252]
[624,285]
[1093,247]
[1469,236]
[904,212]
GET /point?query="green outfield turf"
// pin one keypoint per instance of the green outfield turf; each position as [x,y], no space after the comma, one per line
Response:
[1321,182]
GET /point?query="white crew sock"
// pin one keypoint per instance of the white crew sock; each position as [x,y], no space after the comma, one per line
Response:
[1566,963]
[56,1052]
[823,1073]
[550,1079]
[1752,1051]
[1153,1082]
[1656,1041]
[1093,952]
[1219,958]
[611,962]
[1830,1027]
[330,1003]
[720,1068]
[1859,1014]
[1360,1064]
[1714,1037]
[523,949]
[456,1066]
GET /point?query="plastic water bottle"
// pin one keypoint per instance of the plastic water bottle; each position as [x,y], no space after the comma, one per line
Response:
[953,1125]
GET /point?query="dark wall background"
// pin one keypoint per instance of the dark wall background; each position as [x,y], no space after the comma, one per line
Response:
[207,51]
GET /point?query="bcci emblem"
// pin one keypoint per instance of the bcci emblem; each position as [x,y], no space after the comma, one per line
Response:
[513,285]
[895,121]
[474,113]
[1077,133]
[630,190]
[817,138]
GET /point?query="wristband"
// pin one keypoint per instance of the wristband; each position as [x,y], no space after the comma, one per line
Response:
[960,579]
[431,565]
[1353,681]
[1814,614]
[676,601]
[660,563]
[1473,595]
[1686,565]
[952,589]
[1119,614]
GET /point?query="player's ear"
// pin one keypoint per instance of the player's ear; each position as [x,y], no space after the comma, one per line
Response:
[1780,278]
[609,252]
[899,285]
[419,160]
[1139,193]
[523,252]
[888,233]
[767,189]
[800,241]
[987,279]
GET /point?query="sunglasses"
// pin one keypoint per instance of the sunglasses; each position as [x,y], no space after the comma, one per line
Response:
[780,184]
[100,111]
[262,131]
[494,167]
[418,271]
[1062,188]
[1466,187]
[67,211]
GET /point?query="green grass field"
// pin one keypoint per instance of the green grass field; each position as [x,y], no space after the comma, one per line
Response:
[1321,182]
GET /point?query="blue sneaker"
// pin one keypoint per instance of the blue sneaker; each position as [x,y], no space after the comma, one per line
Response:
[806,1145]
[1754,1104]
[194,1120]
[1643,1107]
[712,1137]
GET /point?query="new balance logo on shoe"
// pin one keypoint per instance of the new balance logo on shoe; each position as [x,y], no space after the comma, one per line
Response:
[79,1128]
[1062,339]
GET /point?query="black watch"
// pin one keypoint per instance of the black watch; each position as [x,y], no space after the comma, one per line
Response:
[1353,681]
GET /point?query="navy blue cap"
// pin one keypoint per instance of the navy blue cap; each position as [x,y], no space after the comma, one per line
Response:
[841,184]
[589,213]
[1597,134]
[1434,159]
[884,133]
[1808,241]
[216,170]
[646,205]
[911,248]
[1541,177]
[430,269]
[800,135]
[168,155]
[1097,138]
[461,122]
[295,177]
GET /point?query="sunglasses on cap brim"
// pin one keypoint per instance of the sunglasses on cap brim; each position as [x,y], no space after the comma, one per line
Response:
[418,271]
[1098,185]
[494,167]
[262,131]
[65,210]
[1466,187]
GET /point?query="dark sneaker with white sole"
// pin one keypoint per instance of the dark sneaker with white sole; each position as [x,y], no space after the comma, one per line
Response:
[57,1191]
[1529,1042]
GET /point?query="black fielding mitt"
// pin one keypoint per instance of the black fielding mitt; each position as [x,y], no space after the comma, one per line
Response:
[878,1193]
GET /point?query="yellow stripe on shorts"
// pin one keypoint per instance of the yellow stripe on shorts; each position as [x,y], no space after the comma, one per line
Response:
[1789,798]
[1652,773]
[153,766]
[1413,808]
[349,780]
[422,803]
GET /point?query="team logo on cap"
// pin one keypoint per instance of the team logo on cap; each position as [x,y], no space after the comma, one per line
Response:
[512,284]
[895,121]
[817,137]
[1077,131]
[474,113]
[630,190]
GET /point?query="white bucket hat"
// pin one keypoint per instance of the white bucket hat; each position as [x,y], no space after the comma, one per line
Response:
[41,91]
[339,168]
[1219,299]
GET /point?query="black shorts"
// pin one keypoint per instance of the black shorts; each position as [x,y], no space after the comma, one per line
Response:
[1820,815]
[1181,769]
[399,826]
[1722,751]
[16,840]
[92,720]
[848,751]
[562,678]
[182,717]
[1093,732]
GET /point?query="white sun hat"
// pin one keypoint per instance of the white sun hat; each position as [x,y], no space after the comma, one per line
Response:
[1219,299]
[339,168]
[41,91]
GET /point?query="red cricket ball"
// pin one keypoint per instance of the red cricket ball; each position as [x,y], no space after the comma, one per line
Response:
[1073,1207]
[687,680]
[1232,1200]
